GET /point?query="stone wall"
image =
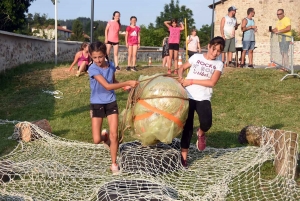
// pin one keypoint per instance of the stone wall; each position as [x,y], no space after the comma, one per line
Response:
[18,49]
[265,16]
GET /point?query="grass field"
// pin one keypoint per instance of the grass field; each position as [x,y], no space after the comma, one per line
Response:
[242,97]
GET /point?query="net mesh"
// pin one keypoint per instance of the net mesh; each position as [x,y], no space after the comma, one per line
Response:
[282,50]
[52,168]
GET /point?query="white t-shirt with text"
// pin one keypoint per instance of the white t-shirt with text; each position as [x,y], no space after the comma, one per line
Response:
[201,69]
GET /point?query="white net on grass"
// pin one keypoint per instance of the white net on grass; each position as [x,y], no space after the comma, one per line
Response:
[53,168]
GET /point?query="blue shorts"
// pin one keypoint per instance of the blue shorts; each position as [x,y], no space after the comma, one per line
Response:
[248,45]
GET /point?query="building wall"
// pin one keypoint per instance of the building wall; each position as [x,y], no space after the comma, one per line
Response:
[265,16]
[18,49]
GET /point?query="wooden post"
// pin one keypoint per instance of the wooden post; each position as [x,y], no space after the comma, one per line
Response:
[284,143]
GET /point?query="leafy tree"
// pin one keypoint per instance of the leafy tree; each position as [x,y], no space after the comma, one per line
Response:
[152,36]
[296,35]
[77,31]
[173,10]
[204,34]
[12,14]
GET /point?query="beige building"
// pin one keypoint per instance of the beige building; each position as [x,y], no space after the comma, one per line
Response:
[49,32]
[265,16]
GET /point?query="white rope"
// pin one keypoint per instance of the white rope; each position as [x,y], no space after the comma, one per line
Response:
[57,94]
[54,168]
[2,121]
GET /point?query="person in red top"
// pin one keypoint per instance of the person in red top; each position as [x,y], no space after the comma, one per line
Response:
[132,39]
[174,40]
[112,36]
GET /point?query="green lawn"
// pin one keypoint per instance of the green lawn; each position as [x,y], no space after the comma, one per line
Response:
[242,97]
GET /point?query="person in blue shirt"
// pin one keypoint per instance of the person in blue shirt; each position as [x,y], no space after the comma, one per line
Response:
[103,99]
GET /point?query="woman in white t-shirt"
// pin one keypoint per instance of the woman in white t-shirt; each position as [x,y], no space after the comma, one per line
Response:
[193,43]
[203,75]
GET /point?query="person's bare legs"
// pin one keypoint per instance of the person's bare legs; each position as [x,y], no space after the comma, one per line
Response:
[129,55]
[250,56]
[243,57]
[134,54]
[229,57]
[223,58]
[108,47]
[165,61]
[176,60]
[82,68]
[113,136]
[184,153]
[96,129]
[116,56]
[171,52]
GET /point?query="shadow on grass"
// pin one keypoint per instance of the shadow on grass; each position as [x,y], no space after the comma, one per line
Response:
[276,126]
[223,139]
[75,111]
[61,133]
[22,98]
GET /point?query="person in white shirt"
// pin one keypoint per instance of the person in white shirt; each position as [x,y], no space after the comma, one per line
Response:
[193,43]
[204,73]
[228,26]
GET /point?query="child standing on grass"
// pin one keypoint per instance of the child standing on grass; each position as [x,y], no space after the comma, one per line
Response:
[202,77]
[132,39]
[103,99]
[165,51]
[174,40]
[112,36]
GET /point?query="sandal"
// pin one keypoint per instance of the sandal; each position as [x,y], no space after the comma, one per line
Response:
[169,71]
[105,136]
[175,72]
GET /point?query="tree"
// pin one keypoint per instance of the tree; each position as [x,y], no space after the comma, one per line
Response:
[12,14]
[173,10]
[204,34]
[296,35]
[77,31]
[152,36]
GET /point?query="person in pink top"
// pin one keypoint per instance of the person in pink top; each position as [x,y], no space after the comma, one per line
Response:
[112,36]
[174,39]
[132,39]
[82,58]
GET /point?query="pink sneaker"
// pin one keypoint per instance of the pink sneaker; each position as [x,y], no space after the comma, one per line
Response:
[201,142]
[169,71]
[175,72]
[184,163]
[115,169]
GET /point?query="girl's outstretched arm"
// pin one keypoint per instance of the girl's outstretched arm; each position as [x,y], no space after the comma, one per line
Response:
[77,55]
[116,84]
[185,66]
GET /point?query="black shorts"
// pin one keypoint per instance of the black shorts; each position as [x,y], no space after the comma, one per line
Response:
[104,110]
[112,43]
[173,46]
[191,53]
